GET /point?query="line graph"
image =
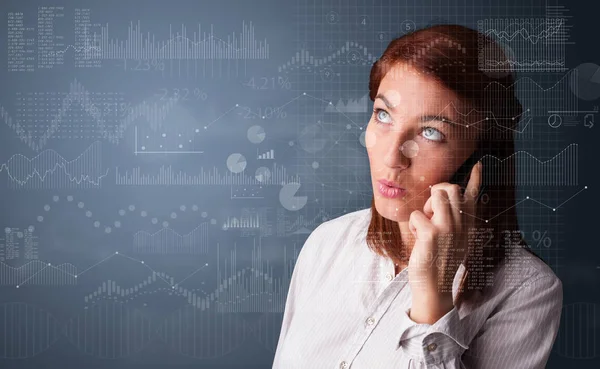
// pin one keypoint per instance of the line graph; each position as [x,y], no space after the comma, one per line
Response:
[560,170]
[542,100]
[167,241]
[49,170]
[539,30]
[78,96]
[352,53]
[38,273]
[110,306]
[177,46]
[534,44]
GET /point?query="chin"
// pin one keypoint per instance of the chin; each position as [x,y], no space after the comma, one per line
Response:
[387,209]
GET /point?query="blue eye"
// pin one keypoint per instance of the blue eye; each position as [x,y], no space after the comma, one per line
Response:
[377,111]
[429,133]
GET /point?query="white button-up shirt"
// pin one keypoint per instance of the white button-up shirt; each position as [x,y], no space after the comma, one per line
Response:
[346,308]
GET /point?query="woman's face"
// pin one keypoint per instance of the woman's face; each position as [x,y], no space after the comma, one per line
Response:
[417,137]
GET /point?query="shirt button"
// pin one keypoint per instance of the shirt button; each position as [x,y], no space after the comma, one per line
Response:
[370,321]
[343,365]
[389,276]
[431,347]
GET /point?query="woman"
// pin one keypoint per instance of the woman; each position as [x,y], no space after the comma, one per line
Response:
[427,277]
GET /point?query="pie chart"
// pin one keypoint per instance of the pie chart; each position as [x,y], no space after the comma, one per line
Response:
[585,81]
[256,134]
[236,163]
[312,139]
[288,198]
[262,174]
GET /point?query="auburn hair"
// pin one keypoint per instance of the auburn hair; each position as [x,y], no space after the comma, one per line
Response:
[457,58]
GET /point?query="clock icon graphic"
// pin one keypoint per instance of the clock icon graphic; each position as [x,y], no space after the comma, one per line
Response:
[554,120]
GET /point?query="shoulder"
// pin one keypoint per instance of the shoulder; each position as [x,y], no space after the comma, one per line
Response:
[343,226]
[523,279]
[348,218]
[333,236]
[524,291]
[522,268]
[541,282]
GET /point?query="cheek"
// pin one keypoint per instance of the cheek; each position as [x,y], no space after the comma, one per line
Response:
[433,168]
[370,137]
[426,172]
[374,145]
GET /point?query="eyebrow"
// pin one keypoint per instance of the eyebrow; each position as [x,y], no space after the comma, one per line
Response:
[441,118]
[385,101]
[425,118]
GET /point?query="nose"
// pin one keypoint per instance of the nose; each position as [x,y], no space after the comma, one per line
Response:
[395,155]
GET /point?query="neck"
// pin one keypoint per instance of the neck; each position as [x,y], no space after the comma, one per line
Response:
[408,239]
[408,242]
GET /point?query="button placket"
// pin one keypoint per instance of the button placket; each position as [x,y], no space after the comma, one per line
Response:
[382,302]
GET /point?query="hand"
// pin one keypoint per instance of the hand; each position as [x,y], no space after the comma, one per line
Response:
[441,233]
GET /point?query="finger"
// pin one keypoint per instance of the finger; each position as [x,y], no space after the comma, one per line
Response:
[456,203]
[425,231]
[455,198]
[423,228]
[442,211]
[412,229]
[472,189]
[427,210]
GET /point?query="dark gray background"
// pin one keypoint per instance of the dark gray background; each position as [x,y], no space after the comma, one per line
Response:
[325,155]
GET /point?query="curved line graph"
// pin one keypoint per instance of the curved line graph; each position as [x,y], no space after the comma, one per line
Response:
[167,241]
[550,30]
[50,170]
[533,44]
[155,113]
[560,170]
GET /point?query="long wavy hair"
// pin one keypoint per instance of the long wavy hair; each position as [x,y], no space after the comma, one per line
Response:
[459,58]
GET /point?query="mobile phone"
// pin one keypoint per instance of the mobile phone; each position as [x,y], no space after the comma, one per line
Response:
[462,174]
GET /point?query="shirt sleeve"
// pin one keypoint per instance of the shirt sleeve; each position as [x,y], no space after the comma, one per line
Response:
[297,280]
[519,334]
[288,312]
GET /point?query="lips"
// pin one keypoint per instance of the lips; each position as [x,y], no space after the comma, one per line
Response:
[390,191]
[390,184]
